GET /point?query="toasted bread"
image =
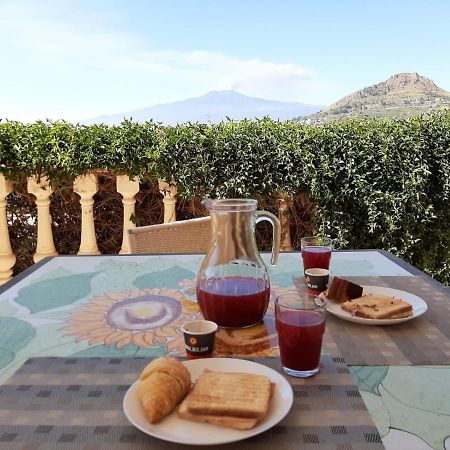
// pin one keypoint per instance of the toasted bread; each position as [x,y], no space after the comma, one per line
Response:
[341,290]
[230,394]
[401,315]
[374,306]
[239,423]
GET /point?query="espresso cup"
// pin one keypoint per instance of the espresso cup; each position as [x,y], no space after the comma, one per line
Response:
[317,279]
[199,336]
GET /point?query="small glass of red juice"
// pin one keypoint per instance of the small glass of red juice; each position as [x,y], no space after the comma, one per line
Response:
[300,323]
[316,252]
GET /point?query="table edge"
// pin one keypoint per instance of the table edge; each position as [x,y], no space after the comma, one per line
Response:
[395,259]
[28,271]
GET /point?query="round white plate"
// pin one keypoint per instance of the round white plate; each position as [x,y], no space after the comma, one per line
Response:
[419,306]
[174,429]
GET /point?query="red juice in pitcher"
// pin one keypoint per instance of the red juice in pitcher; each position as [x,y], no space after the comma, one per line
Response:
[234,302]
[300,336]
[316,257]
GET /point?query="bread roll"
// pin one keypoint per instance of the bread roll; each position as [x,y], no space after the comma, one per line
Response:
[163,384]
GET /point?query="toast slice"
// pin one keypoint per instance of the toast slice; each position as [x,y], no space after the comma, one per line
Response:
[374,306]
[238,423]
[230,394]
[401,315]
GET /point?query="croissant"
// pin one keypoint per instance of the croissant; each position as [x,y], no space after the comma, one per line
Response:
[163,384]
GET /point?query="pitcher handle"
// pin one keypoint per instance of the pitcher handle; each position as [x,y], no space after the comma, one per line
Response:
[276,237]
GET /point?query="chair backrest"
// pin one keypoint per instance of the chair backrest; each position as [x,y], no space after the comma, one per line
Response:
[183,236]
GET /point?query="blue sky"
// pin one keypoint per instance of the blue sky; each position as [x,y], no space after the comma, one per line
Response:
[78,59]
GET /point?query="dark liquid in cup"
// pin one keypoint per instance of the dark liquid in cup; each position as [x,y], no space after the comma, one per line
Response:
[316,257]
[300,339]
[234,302]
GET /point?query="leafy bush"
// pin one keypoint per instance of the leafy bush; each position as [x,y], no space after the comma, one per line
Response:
[367,183]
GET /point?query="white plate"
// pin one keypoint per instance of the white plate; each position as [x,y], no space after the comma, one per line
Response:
[174,429]
[419,306]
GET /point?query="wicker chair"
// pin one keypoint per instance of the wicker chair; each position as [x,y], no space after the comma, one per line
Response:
[183,236]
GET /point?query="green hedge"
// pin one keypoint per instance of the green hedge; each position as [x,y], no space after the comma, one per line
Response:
[375,183]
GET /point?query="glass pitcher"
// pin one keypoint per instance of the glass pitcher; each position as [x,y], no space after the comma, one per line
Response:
[233,287]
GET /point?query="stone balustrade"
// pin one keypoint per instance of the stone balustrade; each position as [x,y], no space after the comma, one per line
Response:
[7,257]
[86,187]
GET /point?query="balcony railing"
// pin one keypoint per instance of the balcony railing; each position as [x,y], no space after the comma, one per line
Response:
[86,186]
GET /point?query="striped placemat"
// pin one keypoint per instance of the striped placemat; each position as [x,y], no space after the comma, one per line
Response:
[76,403]
[424,340]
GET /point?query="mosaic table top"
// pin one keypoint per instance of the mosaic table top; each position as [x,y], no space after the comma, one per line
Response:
[78,307]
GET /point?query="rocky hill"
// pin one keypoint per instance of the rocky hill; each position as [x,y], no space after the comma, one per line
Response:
[401,96]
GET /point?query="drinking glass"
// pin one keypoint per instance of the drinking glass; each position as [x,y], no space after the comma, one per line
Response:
[316,252]
[300,323]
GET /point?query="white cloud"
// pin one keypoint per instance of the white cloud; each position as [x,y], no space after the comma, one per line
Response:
[282,81]
[83,67]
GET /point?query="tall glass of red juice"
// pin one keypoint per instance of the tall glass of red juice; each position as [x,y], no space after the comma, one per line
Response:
[300,322]
[316,253]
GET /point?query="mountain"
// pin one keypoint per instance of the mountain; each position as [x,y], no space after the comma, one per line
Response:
[401,96]
[212,107]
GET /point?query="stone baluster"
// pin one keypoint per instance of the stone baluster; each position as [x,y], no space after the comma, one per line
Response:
[40,188]
[169,192]
[86,187]
[7,257]
[284,204]
[128,189]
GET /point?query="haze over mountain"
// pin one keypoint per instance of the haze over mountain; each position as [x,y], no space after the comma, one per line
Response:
[402,95]
[212,107]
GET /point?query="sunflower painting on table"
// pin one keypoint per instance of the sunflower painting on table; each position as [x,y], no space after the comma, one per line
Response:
[143,317]
[153,317]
